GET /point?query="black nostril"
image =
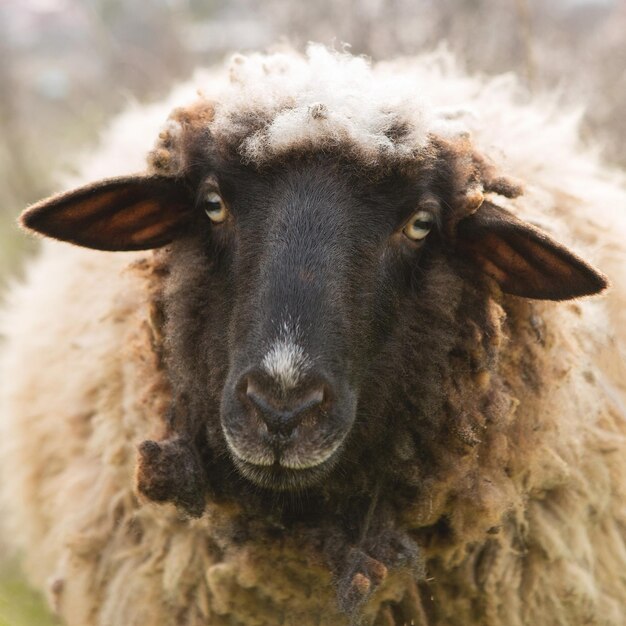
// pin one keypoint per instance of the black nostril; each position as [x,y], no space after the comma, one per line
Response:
[281,415]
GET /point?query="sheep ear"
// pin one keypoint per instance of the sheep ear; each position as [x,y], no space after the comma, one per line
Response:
[522,259]
[126,213]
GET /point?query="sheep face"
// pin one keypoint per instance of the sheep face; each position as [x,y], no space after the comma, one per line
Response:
[303,269]
[312,303]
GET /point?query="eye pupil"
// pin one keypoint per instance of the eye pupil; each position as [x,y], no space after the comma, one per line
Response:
[214,207]
[419,226]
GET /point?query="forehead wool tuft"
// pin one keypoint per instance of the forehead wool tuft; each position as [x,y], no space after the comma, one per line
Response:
[320,101]
[268,105]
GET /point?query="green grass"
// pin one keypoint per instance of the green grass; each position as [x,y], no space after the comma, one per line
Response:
[19,604]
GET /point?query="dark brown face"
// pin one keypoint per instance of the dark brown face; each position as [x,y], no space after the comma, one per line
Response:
[304,267]
[309,282]
[308,304]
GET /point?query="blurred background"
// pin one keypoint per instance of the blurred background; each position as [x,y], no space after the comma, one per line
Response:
[66,66]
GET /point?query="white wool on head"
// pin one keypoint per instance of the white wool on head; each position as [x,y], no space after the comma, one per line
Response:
[318,101]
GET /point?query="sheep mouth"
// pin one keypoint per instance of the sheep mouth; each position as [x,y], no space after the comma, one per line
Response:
[285,464]
[278,477]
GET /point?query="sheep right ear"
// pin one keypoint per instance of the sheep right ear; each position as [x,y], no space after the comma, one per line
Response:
[126,213]
[524,260]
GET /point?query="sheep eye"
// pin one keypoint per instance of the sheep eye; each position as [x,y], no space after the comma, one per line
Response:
[419,225]
[215,207]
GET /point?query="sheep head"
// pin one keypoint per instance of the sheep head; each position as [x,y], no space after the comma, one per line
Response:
[317,287]
[296,274]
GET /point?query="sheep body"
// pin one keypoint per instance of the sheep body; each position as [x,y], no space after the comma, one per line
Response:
[544,545]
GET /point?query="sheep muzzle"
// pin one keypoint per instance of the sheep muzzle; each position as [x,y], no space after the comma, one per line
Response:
[284,439]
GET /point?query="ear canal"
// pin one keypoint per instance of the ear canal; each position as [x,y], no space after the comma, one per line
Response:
[522,259]
[126,213]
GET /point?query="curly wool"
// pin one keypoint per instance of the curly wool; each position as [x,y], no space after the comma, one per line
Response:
[267,106]
[318,102]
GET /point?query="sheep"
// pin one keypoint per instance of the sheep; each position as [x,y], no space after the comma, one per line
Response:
[338,368]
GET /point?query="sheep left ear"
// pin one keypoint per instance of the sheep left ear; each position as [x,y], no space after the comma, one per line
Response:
[126,213]
[522,259]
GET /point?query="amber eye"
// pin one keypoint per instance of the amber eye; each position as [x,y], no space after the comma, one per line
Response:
[214,207]
[420,224]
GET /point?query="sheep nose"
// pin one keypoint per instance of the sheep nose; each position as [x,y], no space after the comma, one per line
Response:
[283,415]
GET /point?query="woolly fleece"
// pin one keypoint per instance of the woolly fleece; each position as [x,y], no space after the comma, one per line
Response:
[80,389]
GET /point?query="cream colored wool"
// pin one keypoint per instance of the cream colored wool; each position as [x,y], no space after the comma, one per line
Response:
[80,388]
